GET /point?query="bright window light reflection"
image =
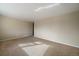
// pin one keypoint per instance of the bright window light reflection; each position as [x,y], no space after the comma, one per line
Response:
[49,6]
[35,48]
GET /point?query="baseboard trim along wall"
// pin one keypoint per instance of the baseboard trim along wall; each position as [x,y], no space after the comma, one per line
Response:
[59,42]
[17,37]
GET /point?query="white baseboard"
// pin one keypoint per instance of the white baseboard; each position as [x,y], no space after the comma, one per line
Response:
[17,37]
[76,46]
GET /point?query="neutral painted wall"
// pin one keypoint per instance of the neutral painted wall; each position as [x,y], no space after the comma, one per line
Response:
[11,28]
[62,29]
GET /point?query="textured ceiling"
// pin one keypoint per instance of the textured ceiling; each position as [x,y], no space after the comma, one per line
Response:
[27,11]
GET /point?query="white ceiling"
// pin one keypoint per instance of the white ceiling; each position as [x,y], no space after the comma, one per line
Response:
[27,11]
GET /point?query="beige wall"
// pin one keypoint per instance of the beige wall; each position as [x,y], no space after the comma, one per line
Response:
[11,28]
[62,29]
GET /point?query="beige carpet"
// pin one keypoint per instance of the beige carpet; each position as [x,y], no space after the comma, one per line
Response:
[31,46]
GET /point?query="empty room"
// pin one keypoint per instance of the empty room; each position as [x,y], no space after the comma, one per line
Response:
[39,29]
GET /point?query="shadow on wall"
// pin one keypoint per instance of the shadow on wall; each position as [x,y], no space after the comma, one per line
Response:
[13,28]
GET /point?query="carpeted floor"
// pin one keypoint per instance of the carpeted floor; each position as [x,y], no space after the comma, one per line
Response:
[31,46]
